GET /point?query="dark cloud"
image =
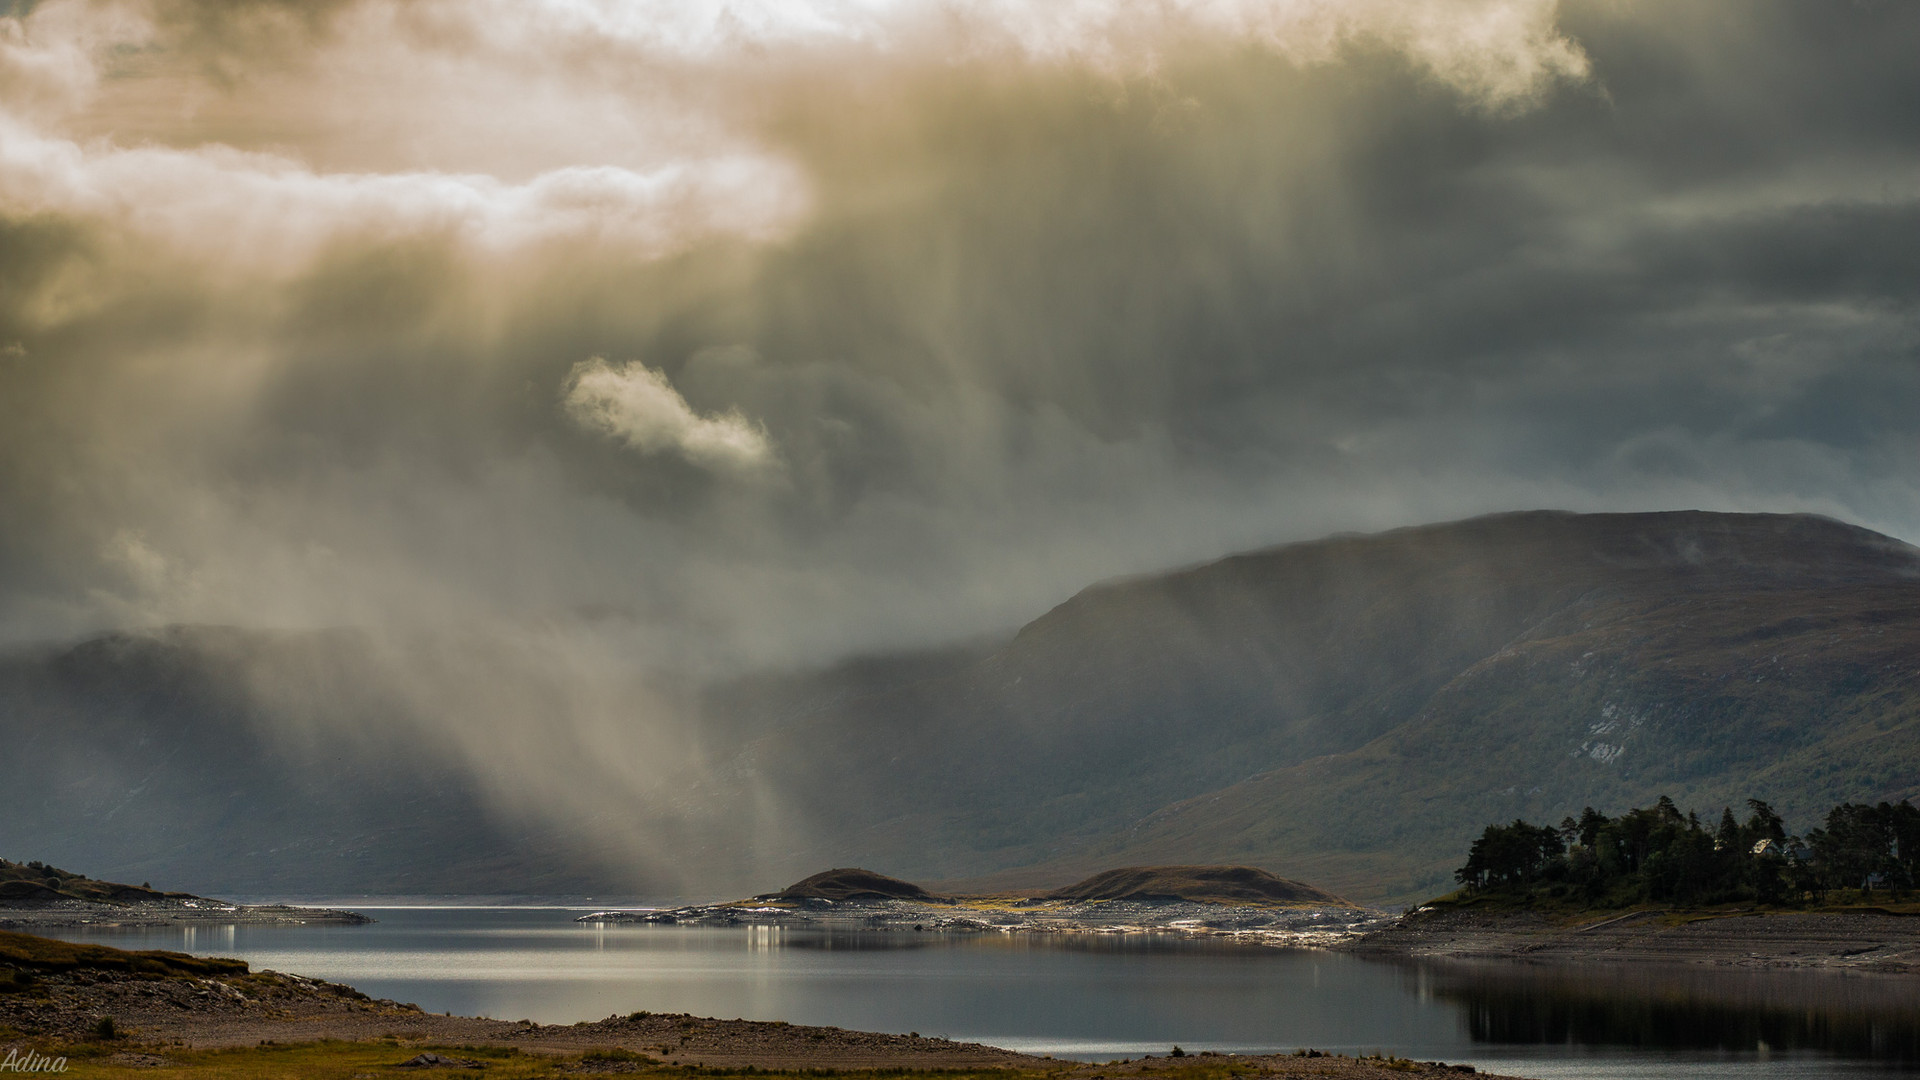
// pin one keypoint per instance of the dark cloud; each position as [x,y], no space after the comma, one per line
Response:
[1025,288]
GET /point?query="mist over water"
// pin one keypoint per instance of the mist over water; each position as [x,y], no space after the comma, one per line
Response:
[570,356]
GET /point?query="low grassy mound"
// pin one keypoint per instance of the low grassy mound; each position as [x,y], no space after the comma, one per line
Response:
[1198,884]
[38,881]
[26,952]
[852,883]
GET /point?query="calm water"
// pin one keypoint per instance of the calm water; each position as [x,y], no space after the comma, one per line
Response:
[1100,998]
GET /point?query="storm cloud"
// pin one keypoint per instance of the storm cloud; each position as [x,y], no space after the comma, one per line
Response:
[743,335]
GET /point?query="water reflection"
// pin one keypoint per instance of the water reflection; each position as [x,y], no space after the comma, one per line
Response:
[1099,997]
[1764,1012]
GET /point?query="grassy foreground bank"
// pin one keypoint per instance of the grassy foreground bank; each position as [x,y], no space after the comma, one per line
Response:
[390,1057]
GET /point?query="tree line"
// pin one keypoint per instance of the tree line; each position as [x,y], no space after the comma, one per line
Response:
[1658,855]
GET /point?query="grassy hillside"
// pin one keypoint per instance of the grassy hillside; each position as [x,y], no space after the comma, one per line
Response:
[37,881]
[1356,709]
[1811,697]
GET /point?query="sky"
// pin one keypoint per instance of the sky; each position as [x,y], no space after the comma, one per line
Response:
[627,337]
[775,331]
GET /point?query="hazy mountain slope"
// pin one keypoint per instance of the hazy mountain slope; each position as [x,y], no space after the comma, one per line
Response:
[1804,697]
[144,757]
[1138,694]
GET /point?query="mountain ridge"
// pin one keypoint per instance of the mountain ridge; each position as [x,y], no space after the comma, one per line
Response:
[1491,585]
[1351,708]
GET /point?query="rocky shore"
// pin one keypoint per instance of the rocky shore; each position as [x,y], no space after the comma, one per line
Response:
[31,915]
[1873,940]
[1289,927]
[1863,940]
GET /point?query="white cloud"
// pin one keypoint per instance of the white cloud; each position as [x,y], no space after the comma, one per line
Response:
[1497,49]
[638,406]
[259,211]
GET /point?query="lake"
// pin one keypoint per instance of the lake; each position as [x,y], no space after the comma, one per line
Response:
[1098,998]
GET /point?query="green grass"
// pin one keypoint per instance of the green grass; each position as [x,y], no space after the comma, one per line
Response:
[334,1060]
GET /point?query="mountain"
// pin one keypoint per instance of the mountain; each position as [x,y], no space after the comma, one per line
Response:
[151,756]
[1347,711]
[1801,689]
[1355,709]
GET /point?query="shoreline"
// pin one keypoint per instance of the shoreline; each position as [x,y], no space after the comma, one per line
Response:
[111,1011]
[1858,941]
[1865,941]
[1851,940]
[63,914]
[1267,926]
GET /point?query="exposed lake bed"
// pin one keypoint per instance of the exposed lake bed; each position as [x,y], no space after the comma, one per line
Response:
[1876,941]
[1868,939]
[1274,926]
[42,916]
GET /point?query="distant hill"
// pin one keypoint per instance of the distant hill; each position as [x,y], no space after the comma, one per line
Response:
[1197,884]
[852,884]
[148,755]
[1355,709]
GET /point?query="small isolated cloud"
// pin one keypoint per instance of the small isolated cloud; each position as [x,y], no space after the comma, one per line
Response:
[638,406]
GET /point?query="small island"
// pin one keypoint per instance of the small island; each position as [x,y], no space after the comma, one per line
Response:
[1240,903]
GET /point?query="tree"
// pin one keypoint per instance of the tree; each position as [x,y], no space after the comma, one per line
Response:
[1659,854]
[1591,822]
[1763,823]
[1510,855]
[1728,834]
[1856,849]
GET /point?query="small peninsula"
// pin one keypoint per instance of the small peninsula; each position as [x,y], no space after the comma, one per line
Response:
[34,895]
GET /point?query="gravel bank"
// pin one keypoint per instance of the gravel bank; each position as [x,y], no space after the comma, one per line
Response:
[1862,940]
[1293,927]
[29,916]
